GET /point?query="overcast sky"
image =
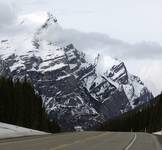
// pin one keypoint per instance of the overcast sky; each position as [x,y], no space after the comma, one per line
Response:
[129,29]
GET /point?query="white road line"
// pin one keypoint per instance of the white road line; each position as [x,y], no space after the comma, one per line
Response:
[131,142]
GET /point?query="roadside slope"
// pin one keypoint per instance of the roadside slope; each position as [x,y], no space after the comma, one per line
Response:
[11,131]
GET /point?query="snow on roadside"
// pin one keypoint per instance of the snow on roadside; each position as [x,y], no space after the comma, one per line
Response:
[10,131]
[158,133]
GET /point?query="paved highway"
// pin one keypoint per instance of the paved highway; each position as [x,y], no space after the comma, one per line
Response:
[84,141]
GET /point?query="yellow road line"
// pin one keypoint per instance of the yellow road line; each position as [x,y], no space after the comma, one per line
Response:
[78,141]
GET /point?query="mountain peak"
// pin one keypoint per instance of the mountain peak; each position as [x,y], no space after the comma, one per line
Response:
[51,19]
[118,73]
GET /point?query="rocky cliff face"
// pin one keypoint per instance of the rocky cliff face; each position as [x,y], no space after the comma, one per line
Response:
[72,90]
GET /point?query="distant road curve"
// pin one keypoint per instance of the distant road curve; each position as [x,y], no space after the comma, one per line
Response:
[84,141]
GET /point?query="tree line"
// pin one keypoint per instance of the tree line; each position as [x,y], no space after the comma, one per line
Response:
[20,105]
[145,118]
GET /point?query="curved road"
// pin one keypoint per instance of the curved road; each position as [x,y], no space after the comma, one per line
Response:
[84,141]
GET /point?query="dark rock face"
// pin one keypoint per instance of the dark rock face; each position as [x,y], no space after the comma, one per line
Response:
[121,77]
[72,91]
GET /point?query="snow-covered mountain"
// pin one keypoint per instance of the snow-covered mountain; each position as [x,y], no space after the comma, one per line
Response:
[73,89]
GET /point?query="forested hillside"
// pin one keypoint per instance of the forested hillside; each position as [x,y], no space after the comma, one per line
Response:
[146,118]
[20,105]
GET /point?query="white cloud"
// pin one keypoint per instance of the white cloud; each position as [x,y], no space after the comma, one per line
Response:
[150,72]
[102,43]
[132,21]
[8,15]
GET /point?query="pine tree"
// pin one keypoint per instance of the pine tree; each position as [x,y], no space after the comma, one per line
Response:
[147,117]
[20,105]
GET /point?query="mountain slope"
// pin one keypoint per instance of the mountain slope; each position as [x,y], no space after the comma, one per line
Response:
[72,88]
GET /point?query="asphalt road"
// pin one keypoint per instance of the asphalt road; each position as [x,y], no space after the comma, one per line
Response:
[84,141]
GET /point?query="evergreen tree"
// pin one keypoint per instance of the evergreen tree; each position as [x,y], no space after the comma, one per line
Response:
[146,118]
[20,105]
